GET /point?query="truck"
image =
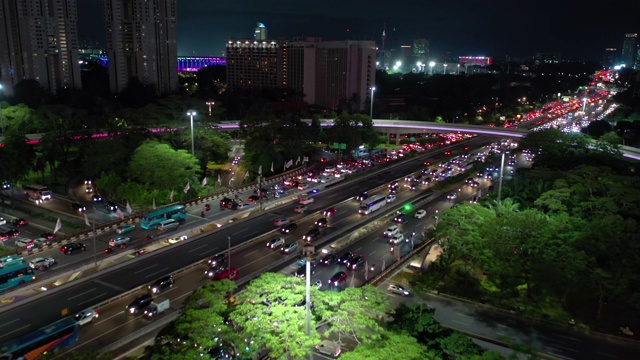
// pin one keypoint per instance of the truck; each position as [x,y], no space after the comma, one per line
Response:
[158,306]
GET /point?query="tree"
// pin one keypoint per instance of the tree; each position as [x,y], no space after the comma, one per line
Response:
[157,165]
[417,321]
[459,346]
[29,92]
[16,156]
[391,345]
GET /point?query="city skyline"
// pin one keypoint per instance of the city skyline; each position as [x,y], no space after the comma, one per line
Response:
[469,28]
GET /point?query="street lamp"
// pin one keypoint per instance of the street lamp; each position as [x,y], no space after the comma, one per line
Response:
[210,104]
[371,110]
[445,68]
[458,69]
[191,114]
[431,65]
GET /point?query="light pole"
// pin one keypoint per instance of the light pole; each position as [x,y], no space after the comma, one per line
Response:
[210,104]
[504,150]
[93,232]
[308,252]
[458,69]
[431,65]
[371,109]
[445,68]
[229,253]
[191,114]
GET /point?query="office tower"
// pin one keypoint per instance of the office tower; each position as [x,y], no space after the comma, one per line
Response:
[260,32]
[141,42]
[39,40]
[610,57]
[628,55]
[420,51]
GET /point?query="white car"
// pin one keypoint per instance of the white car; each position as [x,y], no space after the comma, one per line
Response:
[452,196]
[275,242]
[41,241]
[244,206]
[41,263]
[396,239]
[177,239]
[25,243]
[86,316]
[420,214]
[392,230]
[391,198]
[300,208]
[397,289]
[280,222]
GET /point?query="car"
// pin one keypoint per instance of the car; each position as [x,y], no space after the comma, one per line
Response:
[311,235]
[338,278]
[420,214]
[177,239]
[391,198]
[217,260]
[329,348]
[362,196]
[244,206]
[275,242]
[396,239]
[96,198]
[19,222]
[474,200]
[400,218]
[212,270]
[41,263]
[162,283]
[330,211]
[10,233]
[356,262]
[125,228]
[452,196]
[300,208]
[88,182]
[88,189]
[224,273]
[301,272]
[474,184]
[318,284]
[469,181]
[139,304]
[120,241]
[6,185]
[40,242]
[393,184]
[447,153]
[86,316]
[110,206]
[344,258]
[391,230]
[78,207]
[397,289]
[289,228]
[328,259]
[290,248]
[48,235]
[253,198]
[281,221]
[27,244]
[322,222]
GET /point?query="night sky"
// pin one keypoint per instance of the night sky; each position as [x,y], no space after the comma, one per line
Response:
[575,29]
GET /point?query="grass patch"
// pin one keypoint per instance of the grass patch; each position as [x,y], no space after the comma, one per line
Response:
[489,286]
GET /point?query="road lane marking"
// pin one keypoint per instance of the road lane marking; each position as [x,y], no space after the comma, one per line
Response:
[209,251]
[93,298]
[7,323]
[86,292]
[251,253]
[465,315]
[240,231]
[373,252]
[460,322]
[109,285]
[145,269]
[157,272]
[251,234]
[11,332]
[198,248]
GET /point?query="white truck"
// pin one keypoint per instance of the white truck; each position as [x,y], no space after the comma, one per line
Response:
[158,306]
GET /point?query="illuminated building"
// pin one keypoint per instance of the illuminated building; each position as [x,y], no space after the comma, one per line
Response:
[628,55]
[610,56]
[141,42]
[420,51]
[253,64]
[39,40]
[475,60]
[260,32]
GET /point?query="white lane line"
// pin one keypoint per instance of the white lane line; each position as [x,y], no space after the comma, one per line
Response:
[251,234]
[93,298]
[7,323]
[251,253]
[199,247]
[460,322]
[241,231]
[16,330]
[157,272]
[145,269]
[86,292]
[109,285]
[371,253]
[465,315]
[209,251]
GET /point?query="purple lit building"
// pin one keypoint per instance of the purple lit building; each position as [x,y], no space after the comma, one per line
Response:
[185,63]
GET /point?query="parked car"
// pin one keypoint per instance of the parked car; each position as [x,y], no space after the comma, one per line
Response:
[125,228]
[162,283]
[329,348]
[86,316]
[72,247]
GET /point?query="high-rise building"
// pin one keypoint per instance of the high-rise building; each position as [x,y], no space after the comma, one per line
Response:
[141,42]
[253,64]
[39,40]
[260,32]
[610,57]
[628,55]
[420,50]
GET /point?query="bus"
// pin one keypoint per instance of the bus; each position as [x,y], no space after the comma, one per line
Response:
[35,344]
[153,219]
[37,191]
[14,275]
[372,204]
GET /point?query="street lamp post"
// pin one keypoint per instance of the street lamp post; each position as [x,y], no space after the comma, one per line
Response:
[431,65]
[308,252]
[445,68]
[229,252]
[458,69]
[504,150]
[191,114]
[93,232]
[210,104]
[371,109]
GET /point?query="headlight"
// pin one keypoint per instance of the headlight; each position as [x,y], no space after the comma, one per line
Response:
[154,290]
[132,310]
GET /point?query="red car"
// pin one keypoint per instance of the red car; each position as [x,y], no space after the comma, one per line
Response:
[48,236]
[330,211]
[230,274]
[19,222]
[447,152]
[338,278]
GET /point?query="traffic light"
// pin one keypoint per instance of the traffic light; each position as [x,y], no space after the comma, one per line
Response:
[407,207]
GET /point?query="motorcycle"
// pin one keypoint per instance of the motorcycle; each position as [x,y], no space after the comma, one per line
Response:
[207,207]
[202,214]
[148,237]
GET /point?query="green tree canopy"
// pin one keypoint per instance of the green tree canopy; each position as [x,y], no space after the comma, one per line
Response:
[159,166]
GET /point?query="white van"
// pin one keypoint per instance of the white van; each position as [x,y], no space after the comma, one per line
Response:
[167,225]
[307,200]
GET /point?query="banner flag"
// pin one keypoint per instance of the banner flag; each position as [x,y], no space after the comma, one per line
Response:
[58,226]
[187,187]
[120,214]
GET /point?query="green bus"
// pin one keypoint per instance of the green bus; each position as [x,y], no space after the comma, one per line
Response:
[153,219]
[14,275]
